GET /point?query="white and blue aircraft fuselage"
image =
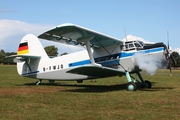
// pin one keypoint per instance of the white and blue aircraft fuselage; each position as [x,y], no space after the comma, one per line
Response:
[104,56]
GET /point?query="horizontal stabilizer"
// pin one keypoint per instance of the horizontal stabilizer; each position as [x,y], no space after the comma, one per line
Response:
[96,71]
[18,58]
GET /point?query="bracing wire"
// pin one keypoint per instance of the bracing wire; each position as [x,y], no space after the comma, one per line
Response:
[109,53]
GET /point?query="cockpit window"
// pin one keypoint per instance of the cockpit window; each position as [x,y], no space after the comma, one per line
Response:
[133,45]
[137,45]
[140,42]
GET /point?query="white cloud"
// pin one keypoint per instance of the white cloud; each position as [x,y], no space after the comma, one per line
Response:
[12,31]
[15,27]
[131,37]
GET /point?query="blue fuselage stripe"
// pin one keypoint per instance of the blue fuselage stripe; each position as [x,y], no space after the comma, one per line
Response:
[79,63]
[113,58]
[30,73]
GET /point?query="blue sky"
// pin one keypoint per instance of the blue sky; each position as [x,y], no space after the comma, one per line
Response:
[148,19]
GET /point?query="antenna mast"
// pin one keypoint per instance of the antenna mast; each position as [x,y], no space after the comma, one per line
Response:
[125,34]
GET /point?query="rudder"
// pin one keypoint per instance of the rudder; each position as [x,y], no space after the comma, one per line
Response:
[30,54]
[31,46]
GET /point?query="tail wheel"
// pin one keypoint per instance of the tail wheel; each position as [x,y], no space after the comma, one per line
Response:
[131,86]
[148,84]
[38,82]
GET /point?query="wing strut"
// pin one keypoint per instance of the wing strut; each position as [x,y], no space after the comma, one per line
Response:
[89,52]
[87,43]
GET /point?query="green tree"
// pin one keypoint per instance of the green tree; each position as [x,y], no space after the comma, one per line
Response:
[2,55]
[176,57]
[51,51]
[10,53]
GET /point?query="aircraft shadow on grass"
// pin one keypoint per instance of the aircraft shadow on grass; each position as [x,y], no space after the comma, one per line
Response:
[100,88]
[85,88]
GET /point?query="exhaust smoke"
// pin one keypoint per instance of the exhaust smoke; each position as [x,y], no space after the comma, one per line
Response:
[150,62]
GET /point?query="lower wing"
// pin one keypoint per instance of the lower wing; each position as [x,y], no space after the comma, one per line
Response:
[96,71]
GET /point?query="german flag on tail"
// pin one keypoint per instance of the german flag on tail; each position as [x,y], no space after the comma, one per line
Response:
[23,48]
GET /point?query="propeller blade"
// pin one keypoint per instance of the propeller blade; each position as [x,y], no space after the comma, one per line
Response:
[169,64]
[168,44]
[170,58]
[168,39]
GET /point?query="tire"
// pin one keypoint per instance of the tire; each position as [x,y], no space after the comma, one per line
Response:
[79,81]
[148,84]
[51,81]
[131,86]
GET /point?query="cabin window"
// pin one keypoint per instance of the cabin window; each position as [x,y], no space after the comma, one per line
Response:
[108,58]
[98,60]
[126,46]
[54,67]
[58,67]
[44,69]
[49,67]
[61,66]
[131,45]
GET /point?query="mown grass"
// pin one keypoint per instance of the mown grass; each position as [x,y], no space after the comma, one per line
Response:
[106,99]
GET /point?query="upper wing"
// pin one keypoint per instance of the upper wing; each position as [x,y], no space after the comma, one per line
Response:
[96,71]
[74,34]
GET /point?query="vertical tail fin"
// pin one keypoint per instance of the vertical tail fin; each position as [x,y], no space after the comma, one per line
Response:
[29,56]
[31,46]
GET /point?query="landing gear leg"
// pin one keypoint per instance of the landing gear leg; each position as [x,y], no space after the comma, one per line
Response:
[131,86]
[38,82]
[145,83]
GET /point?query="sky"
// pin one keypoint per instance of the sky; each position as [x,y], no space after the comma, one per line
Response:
[146,19]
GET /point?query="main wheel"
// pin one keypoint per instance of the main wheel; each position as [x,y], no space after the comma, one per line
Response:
[131,86]
[51,81]
[148,84]
[79,81]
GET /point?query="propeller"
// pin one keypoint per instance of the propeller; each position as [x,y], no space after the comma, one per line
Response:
[169,56]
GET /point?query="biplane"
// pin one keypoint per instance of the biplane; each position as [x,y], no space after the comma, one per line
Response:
[103,56]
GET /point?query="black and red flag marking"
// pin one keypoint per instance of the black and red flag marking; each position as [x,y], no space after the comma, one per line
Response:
[23,48]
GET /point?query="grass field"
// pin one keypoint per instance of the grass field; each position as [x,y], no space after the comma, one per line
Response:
[106,99]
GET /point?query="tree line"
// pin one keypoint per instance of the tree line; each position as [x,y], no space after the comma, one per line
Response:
[52,51]
[176,57]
